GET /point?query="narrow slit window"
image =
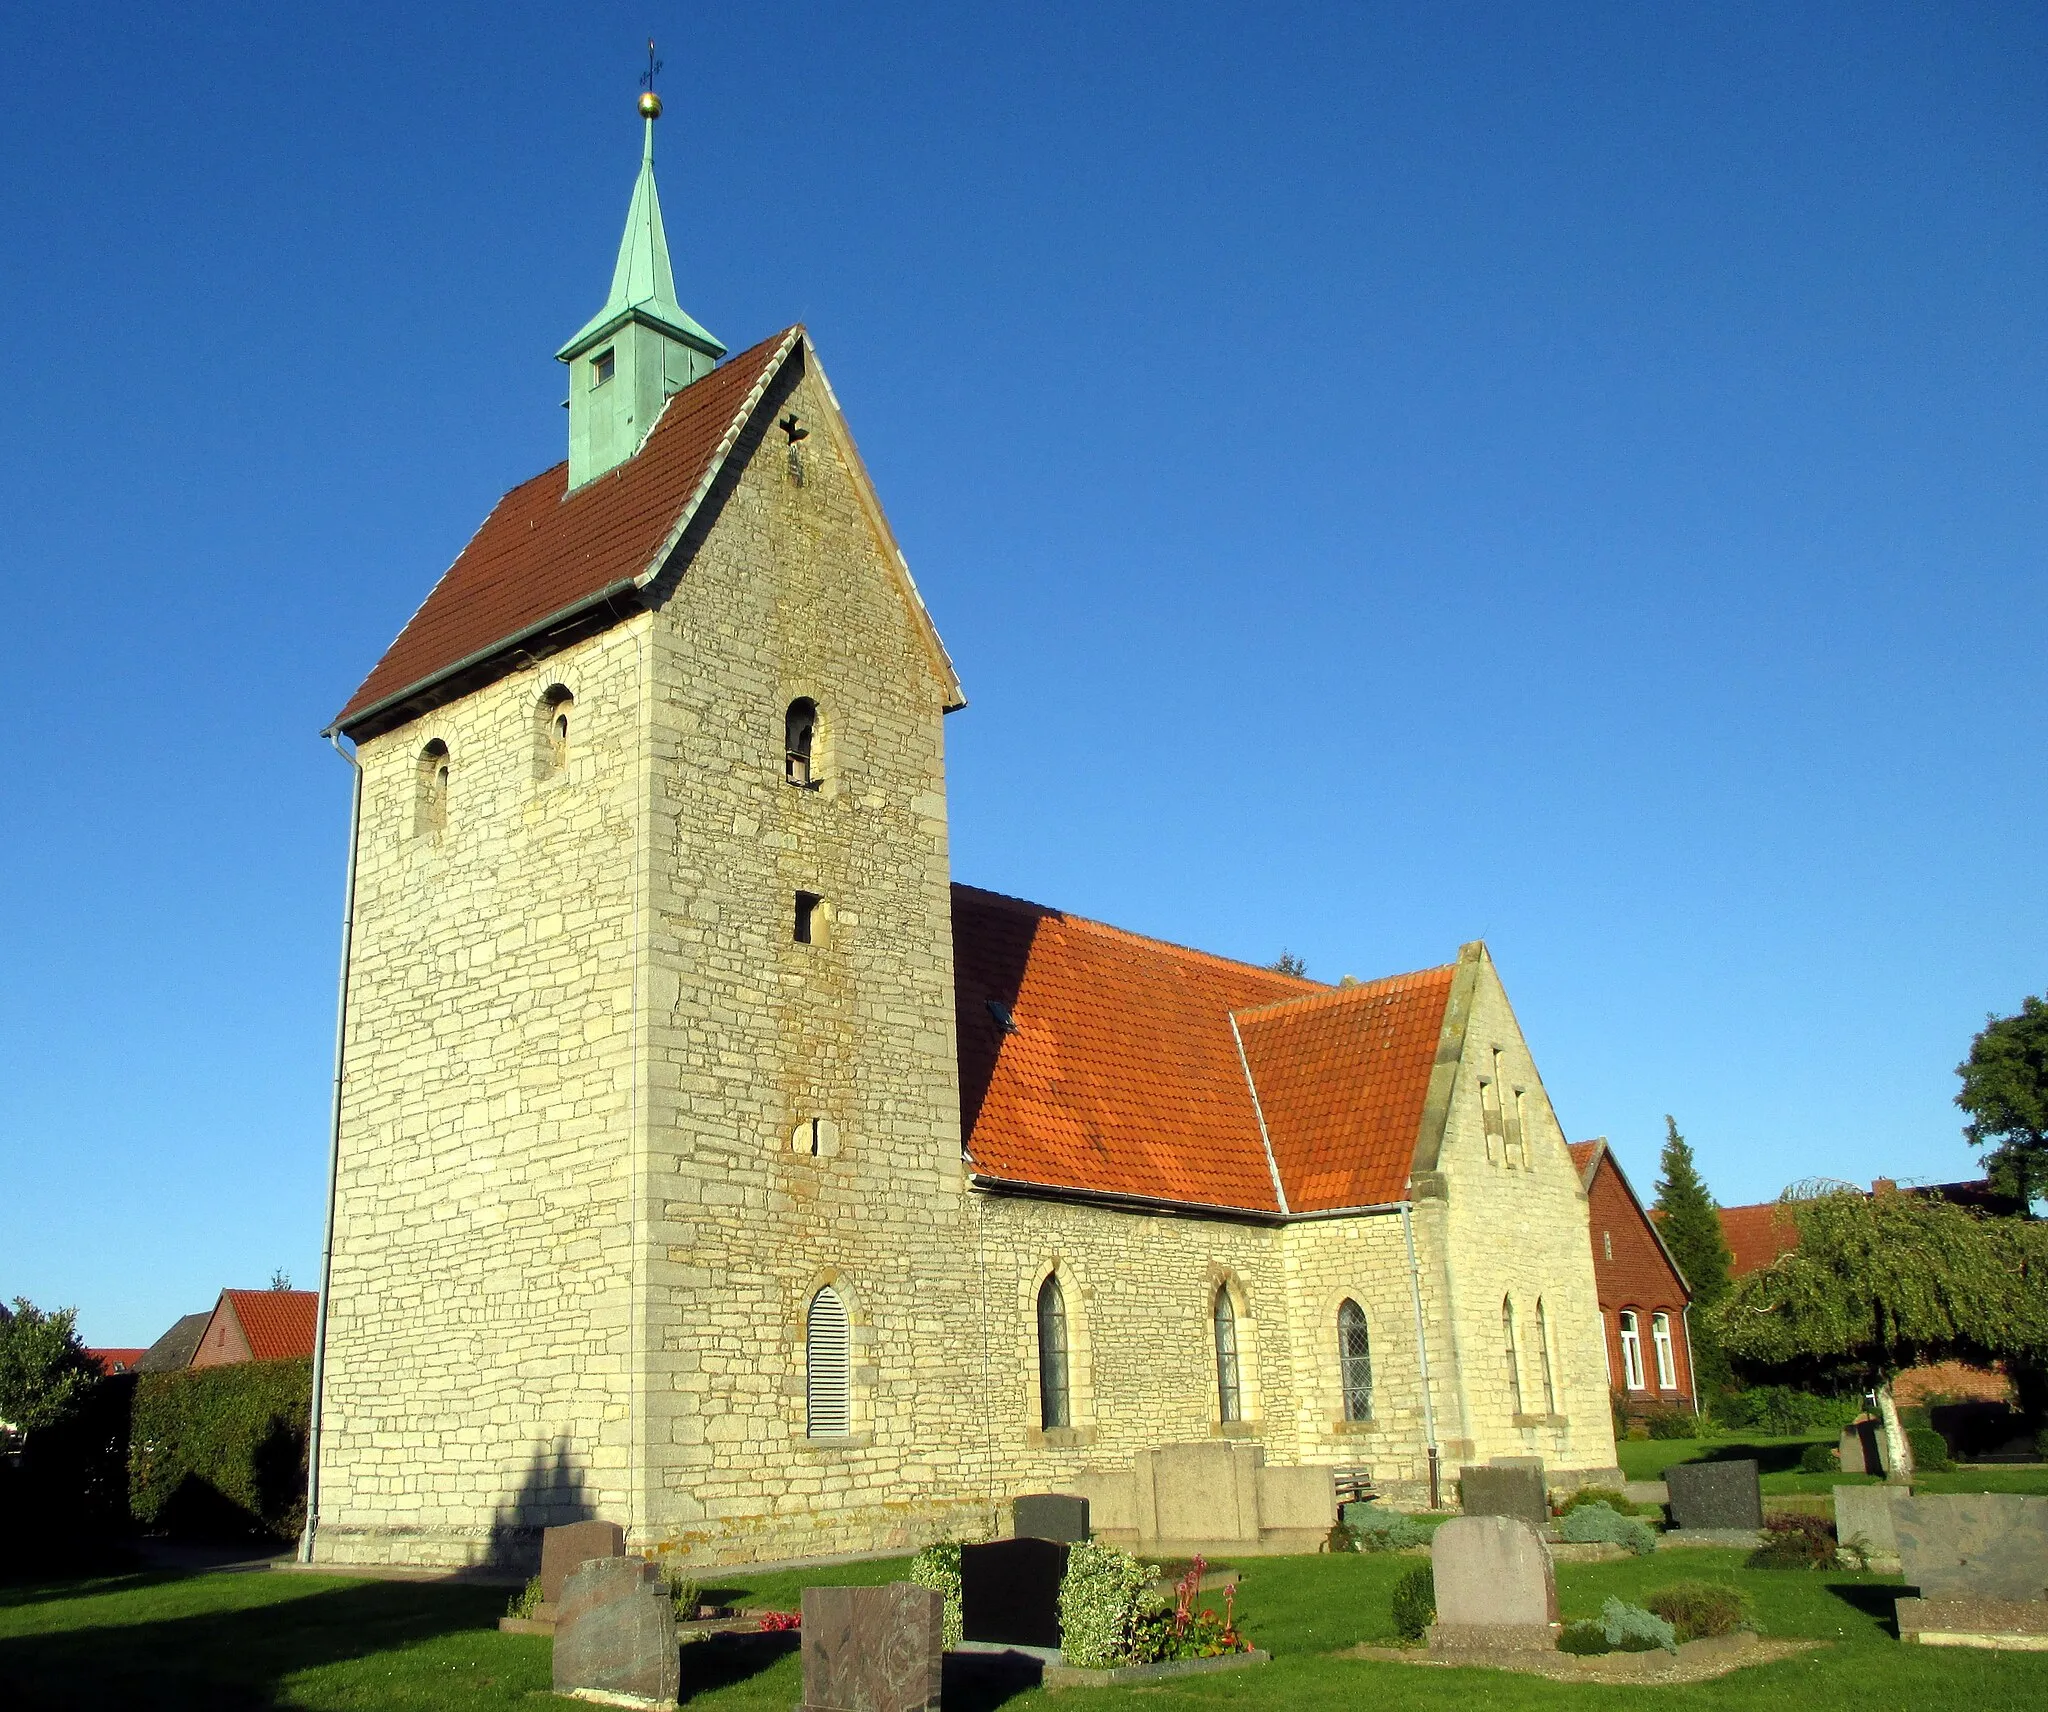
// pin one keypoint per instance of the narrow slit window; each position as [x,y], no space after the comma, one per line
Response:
[551,716]
[430,807]
[1512,1354]
[1054,1409]
[1543,1356]
[799,740]
[1660,1341]
[1354,1361]
[810,918]
[828,1410]
[1229,1395]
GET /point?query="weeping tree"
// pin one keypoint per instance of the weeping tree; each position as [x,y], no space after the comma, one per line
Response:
[1882,1282]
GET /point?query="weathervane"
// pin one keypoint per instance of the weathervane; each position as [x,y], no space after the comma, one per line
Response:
[650,103]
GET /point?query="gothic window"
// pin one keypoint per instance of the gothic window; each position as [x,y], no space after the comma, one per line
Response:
[828,1406]
[430,808]
[1229,1394]
[1631,1350]
[551,731]
[1054,1408]
[800,735]
[1543,1355]
[1660,1340]
[1354,1361]
[1514,1355]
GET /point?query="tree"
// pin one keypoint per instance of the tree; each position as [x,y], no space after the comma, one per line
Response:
[1883,1282]
[2005,1091]
[44,1370]
[1288,964]
[1690,1224]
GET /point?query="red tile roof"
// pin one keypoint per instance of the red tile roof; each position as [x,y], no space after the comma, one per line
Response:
[543,551]
[1583,1154]
[117,1360]
[277,1323]
[1342,1078]
[1097,1060]
[1757,1235]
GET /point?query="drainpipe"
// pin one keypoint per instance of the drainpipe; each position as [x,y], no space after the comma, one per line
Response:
[348,933]
[1421,1350]
[1691,1367]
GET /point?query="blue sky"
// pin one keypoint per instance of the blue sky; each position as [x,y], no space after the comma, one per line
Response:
[1389,475]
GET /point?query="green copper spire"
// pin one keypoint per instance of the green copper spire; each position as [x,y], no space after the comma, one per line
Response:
[641,347]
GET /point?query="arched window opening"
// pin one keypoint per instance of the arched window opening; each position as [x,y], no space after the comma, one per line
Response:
[430,803]
[1543,1355]
[1054,1408]
[1229,1393]
[551,731]
[1631,1350]
[1514,1356]
[1354,1361]
[828,1403]
[800,735]
[1660,1340]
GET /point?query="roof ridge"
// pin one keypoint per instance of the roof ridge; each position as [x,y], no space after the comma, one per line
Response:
[1378,988]
[1315,988]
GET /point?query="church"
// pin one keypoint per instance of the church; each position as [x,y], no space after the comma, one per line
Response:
[706,1159]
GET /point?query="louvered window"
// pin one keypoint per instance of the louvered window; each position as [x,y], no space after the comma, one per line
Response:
[1354,1362]
[828,1401]
[1053,1407]
[1229,1397]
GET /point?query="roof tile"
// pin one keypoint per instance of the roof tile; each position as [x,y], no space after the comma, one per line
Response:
[277,1323]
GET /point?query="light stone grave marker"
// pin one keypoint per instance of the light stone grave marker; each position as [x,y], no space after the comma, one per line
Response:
[1495,1587]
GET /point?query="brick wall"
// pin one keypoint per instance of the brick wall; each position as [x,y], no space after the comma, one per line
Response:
[1633,1274]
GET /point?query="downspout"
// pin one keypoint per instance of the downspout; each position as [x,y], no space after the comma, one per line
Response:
[1421,1350]
[1692,1370]
[348,933]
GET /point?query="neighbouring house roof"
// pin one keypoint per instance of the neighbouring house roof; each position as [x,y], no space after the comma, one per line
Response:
[544,554]
[177,1346]
[112,1361]
[1098,1061]
[278,1324]
[1589,1156]
[1757,1235]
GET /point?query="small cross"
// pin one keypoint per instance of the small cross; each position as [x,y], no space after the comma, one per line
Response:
[653,65]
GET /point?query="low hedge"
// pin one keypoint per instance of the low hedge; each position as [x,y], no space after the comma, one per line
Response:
[220,1452]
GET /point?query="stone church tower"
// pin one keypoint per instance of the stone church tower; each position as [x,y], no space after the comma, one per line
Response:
[706,1160]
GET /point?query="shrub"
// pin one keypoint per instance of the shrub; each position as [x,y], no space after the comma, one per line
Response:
[1631,1629]
[222,1450]
[1700,1610]
[1341,1539]
[1670,1421]
[526,1601]
[1929,1448]
[1796,1542]
[1378,1530]
[1102,1599]
[1591,1523]
[1786,1412]
[1618,1502]
[1415,1603]
[1819,1459]
[2041,1444]
[1585,1637]
[685,1593]
[938,1567]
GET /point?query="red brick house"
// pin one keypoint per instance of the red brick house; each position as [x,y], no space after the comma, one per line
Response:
[113,1361]
[1643,1296]
[258,1325]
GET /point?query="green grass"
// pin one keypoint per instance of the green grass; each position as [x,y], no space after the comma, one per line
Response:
[1647,1459]
[228,1641]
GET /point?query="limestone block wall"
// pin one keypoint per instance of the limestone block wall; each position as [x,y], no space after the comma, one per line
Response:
[1508,1218]
[478,1341]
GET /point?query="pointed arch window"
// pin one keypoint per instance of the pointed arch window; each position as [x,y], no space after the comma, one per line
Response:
[1514,1355]
[1543,1356]
[551,716]
[1229,1391]
[1055,1408]
[799,740]
[1354,1361]
[828,1401]
[430,803]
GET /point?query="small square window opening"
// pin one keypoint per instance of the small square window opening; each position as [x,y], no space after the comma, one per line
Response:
[601,367]
[809,918]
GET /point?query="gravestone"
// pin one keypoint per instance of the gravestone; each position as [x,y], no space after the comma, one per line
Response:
[1863,1522]
[1010,1592]
[1051,1516]
[615,1631]
[1495,1588]
[1514,1489]
[1715,1494]
[1860,1449]
[1977,1545]
[872,1649]
[563,1550]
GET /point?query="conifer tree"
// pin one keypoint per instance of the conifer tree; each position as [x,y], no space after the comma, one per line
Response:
[1690,1224]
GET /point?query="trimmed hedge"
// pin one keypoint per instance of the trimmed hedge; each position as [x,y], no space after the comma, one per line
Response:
[220,1452]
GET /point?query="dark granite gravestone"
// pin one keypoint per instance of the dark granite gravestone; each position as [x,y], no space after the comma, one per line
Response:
[563,1550]
[1051,1516]
[1974,1545]
[615,1631]
[1715,1494]
[1010,1592]
[873,1649]
[1514,1490]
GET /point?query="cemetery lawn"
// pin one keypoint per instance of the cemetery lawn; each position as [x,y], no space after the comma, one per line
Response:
[1778,1461]
[230,1641]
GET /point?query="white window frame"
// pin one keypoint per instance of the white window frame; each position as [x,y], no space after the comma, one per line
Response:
[1660,1340]
[1631,1350]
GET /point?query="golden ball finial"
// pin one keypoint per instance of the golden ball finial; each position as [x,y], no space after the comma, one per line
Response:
[650,105]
